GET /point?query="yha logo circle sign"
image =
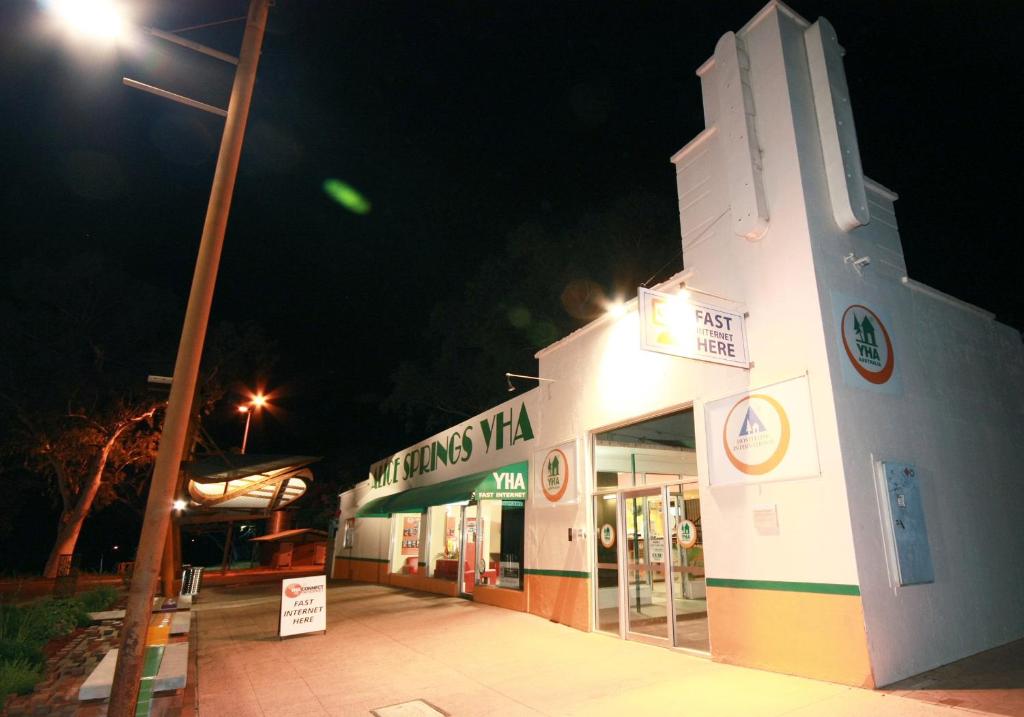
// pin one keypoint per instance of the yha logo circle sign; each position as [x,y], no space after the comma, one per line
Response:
[293,590]
[554,475]
[867,344]
[756,434]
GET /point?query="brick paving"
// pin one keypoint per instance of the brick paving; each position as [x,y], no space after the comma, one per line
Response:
[64,671]
[73,659]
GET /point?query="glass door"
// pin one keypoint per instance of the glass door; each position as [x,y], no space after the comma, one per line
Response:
[606,528]
[467,561]
[689,597]
[648,595]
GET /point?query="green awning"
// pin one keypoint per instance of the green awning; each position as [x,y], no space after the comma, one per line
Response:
[507,482]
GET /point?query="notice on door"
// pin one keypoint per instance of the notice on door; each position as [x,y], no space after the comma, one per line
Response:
[303,605]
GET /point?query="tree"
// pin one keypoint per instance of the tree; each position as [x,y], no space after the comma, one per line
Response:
[77,412]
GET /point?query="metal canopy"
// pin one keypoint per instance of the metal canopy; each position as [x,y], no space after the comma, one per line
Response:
[295,535]
[248,482]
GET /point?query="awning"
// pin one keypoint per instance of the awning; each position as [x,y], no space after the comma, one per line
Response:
[505,483]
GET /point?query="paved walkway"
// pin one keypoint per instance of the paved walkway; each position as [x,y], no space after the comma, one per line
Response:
[386,646]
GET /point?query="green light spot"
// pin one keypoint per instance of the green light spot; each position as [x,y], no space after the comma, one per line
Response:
[519,316]
[346,196]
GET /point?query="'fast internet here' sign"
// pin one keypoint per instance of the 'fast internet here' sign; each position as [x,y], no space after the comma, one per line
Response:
[676,324]
[303,605]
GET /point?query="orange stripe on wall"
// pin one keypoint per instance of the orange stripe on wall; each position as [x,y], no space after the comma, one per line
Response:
[501,597]
[424,584]
[559,599]
[808,634]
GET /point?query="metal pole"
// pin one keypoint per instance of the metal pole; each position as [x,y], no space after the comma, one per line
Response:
[125,688]
[245,435]
[226,560]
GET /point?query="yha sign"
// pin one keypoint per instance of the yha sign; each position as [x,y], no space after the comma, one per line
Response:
[507,483]
[867,344]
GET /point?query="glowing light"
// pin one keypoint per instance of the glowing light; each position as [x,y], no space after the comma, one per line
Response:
[616,308]
[101,19]
[180,505]
[243,409]
[347,196]
[675,319]
[259,400]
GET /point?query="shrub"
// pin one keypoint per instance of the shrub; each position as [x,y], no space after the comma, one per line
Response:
[101,598]
[17,676]
[14,650]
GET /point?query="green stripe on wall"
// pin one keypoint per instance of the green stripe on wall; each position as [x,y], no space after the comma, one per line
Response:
[558,573]
[822,588]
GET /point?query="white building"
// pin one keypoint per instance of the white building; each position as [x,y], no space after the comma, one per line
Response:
[807,465]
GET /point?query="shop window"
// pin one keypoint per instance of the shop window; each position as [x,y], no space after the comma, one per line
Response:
[405,543]
[443,531]
[500,531]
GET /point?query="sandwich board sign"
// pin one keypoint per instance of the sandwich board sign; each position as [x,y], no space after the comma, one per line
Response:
[303,605]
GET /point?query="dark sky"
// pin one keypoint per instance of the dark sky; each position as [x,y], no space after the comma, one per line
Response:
[460,121]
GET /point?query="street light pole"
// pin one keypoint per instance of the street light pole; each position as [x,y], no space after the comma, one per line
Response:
[125,688]
[248,418]
[258,401]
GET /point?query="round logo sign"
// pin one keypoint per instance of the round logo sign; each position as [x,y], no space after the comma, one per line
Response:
[687,534]
[608,535]
[756,434]
[293,590]
[867,344]
[554,475]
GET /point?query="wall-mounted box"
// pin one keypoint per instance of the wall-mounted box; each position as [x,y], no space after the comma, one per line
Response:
[907,524]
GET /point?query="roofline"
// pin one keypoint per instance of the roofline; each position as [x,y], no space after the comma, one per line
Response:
[677,279]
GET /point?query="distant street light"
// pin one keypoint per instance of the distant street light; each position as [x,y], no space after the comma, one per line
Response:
[258,401]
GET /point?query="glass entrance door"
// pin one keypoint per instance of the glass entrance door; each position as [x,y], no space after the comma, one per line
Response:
[467,553]
[607,558]
[650,566]
[648,597]
[689,598]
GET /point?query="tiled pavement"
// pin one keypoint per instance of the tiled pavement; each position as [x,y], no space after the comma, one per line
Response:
[384,646]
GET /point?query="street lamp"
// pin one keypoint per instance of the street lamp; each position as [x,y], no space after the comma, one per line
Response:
[258,401]
[100,17]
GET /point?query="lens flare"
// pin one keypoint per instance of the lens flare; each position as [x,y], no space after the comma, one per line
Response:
[347,196]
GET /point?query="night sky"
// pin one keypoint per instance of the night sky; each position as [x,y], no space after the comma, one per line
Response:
[459,122]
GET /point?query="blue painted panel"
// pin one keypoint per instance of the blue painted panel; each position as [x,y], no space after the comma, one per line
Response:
[910,534]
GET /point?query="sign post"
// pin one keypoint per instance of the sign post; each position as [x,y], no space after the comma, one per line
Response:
[303,606]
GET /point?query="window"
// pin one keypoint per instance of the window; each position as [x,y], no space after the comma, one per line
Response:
[348,538]
[444,532]
[405,543]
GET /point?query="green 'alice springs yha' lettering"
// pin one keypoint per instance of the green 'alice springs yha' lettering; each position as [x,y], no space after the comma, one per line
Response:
[504,428]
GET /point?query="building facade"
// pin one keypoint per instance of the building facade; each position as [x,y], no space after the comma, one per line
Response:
[790,456]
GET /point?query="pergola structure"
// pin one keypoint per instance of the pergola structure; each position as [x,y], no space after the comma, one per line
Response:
[228,488]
